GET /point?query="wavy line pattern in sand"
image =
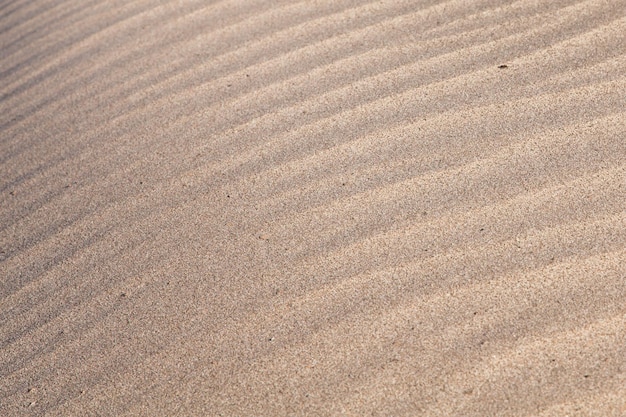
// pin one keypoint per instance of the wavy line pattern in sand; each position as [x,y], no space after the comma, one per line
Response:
[312,208]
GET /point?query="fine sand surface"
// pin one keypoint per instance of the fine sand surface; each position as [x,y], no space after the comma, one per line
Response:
[329,207]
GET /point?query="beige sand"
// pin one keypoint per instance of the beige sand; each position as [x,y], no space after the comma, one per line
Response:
[331,207]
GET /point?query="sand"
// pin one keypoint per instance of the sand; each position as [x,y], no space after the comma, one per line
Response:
[331,207]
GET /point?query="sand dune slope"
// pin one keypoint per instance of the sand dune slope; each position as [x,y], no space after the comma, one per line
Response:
[331,207]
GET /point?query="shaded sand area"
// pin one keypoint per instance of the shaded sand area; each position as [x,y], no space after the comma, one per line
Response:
[330,207]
